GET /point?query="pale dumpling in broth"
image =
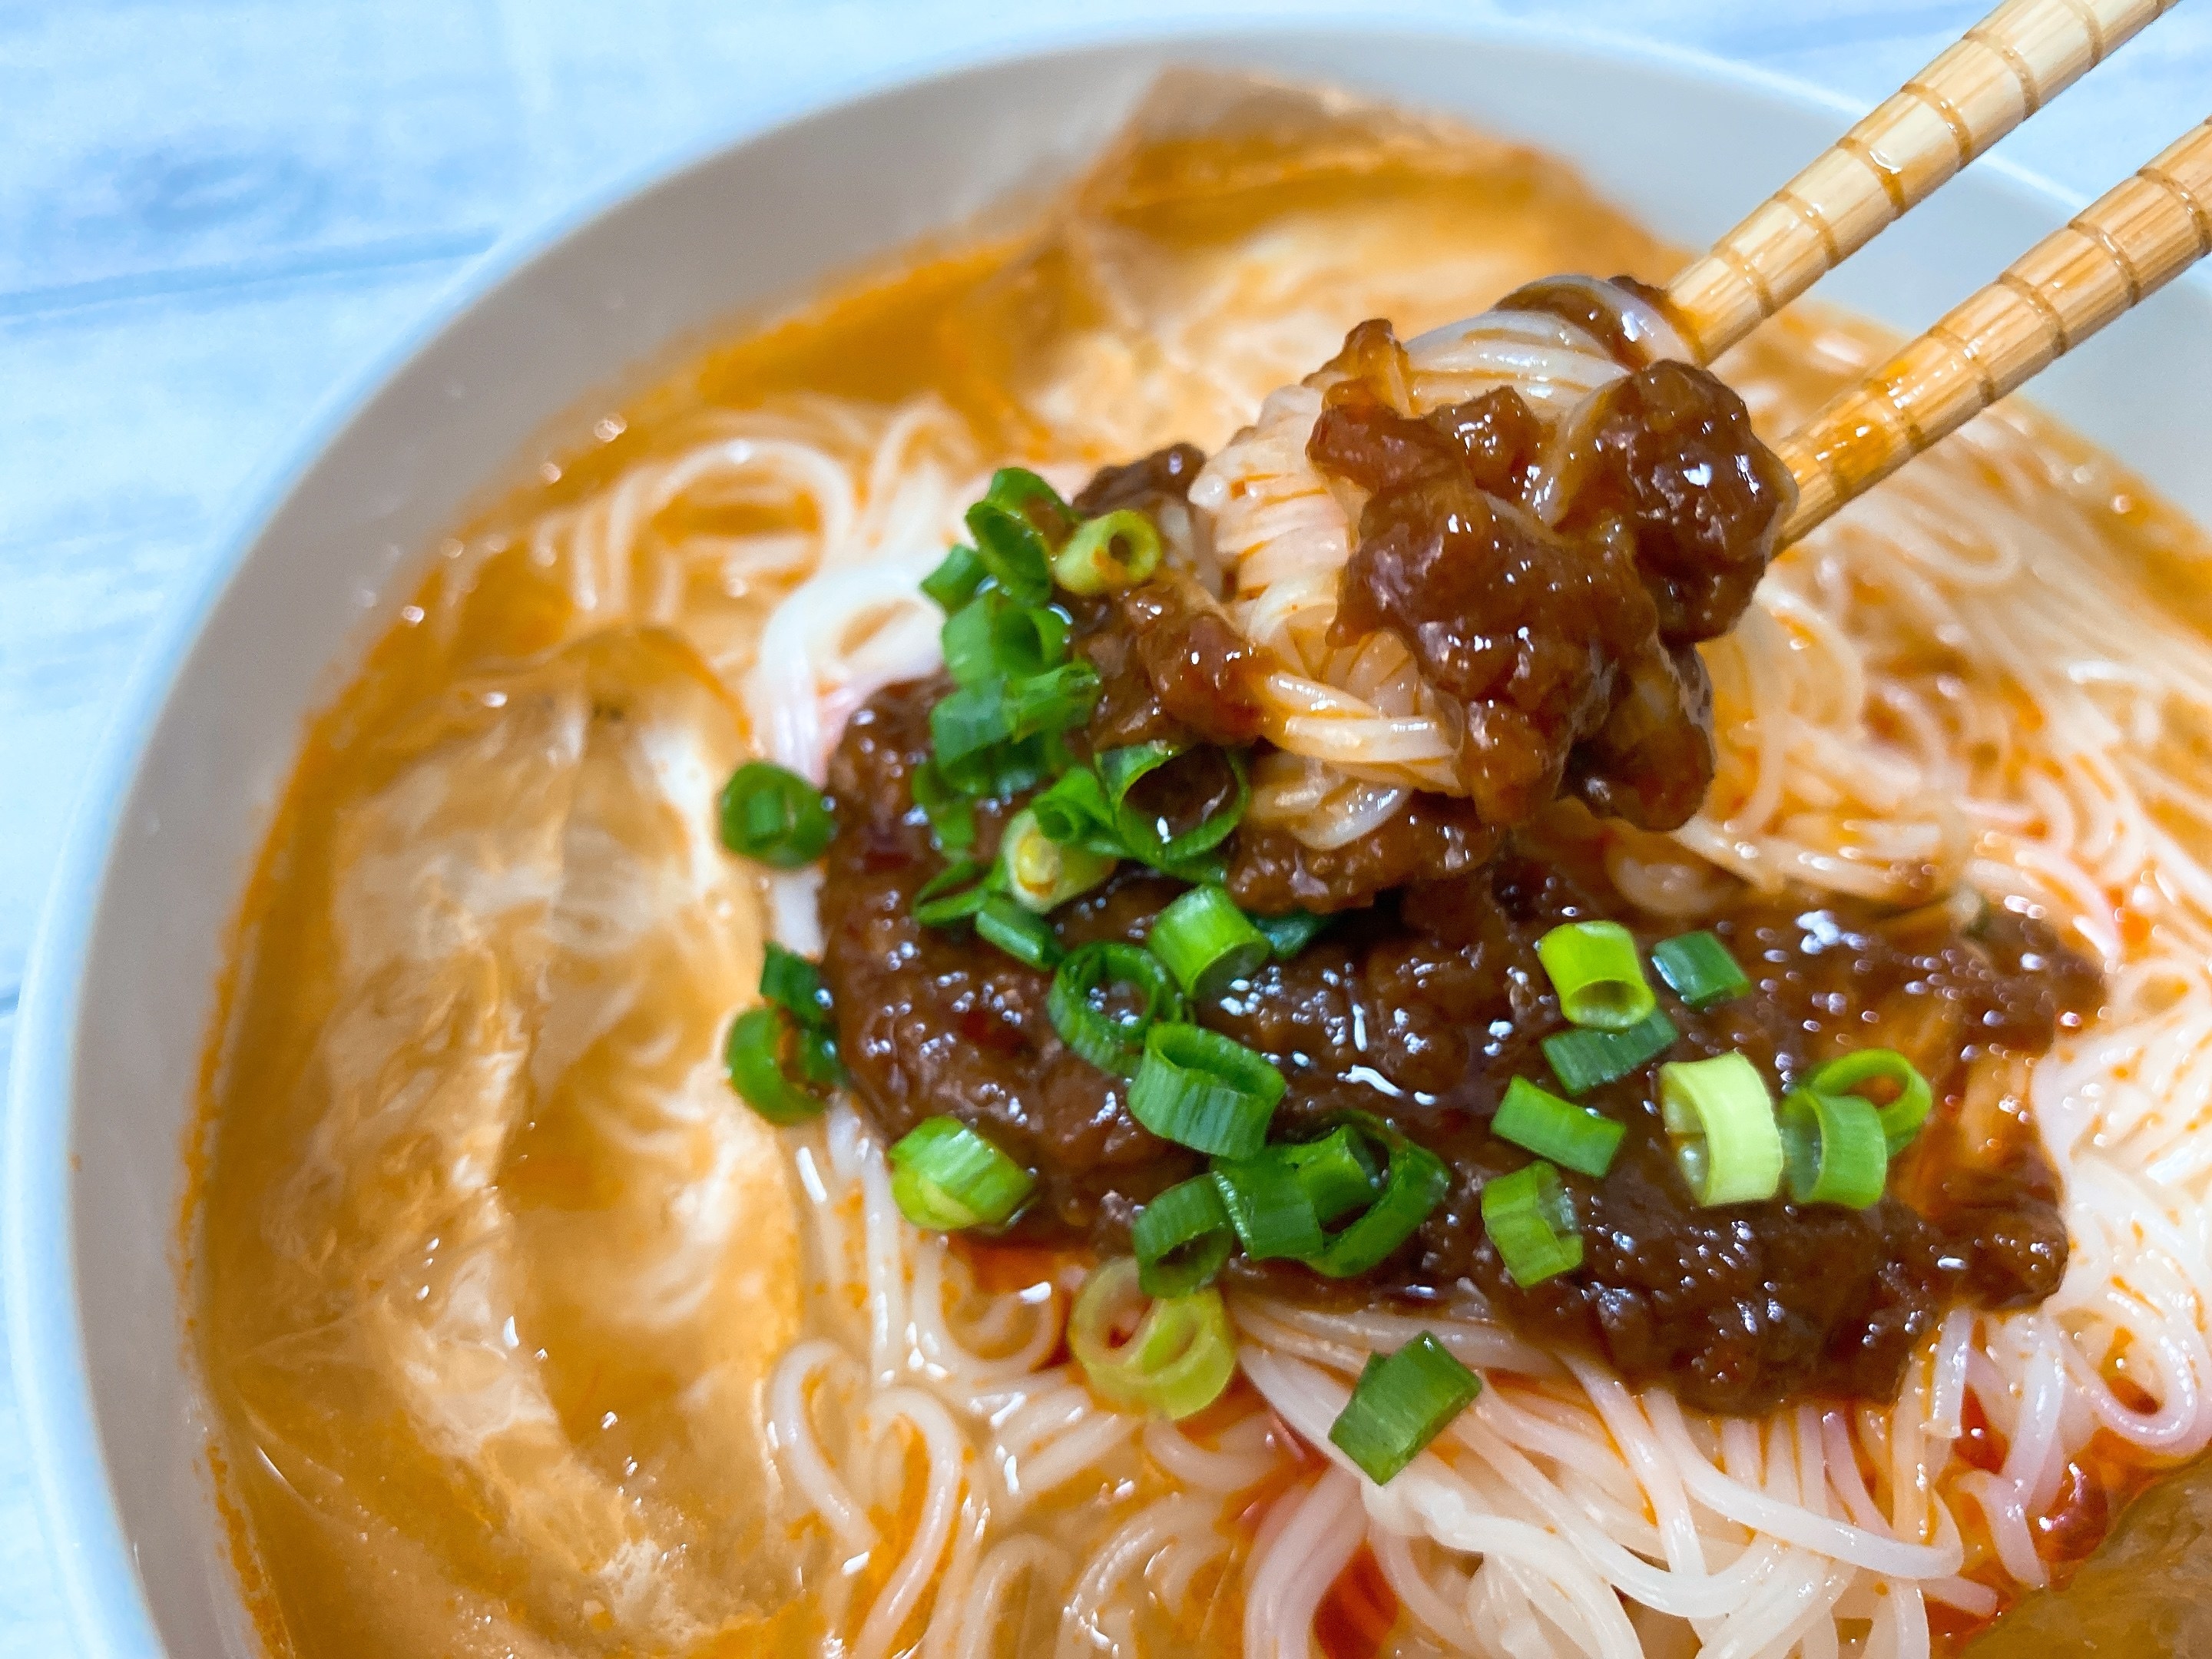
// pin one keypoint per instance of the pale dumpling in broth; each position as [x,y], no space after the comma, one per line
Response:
[528,1192]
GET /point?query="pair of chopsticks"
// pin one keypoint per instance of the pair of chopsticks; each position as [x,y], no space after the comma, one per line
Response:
[2128,244]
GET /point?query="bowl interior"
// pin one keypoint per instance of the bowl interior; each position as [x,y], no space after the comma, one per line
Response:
[122,988]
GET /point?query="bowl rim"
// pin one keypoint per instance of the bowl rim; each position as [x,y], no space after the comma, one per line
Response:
[106,1609]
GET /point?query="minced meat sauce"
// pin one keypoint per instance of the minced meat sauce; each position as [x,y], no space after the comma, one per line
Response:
[1565,642]
[1424,998]
[1421,1008]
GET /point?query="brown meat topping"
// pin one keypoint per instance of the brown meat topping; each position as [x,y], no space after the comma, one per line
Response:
[1422,1008]
[1566,648]
[1272,870]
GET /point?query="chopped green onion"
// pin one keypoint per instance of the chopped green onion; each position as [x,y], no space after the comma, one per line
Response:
[1207,942]
[1698,968]
[951,815]
[752,1054]
[1181,1238]
[1902,1117]
[1200,1090]
[1148,838]
[1583,1059]
[1059,700]
[1114,550]
[1269,1206]
[1111,1042]
[1074,812]
[991,638]
[1171,1356]
[1013,551]
[774,816]
[1413,1184]
[1291,932]
[1400,1403]
[1034,500]
[1338,1173]
[1041,874]
[1722,1118]
[954,894]
[1594,967]
[1004,769]
[946,1177]
[968,721]
[1834,1149]
[1026,938]
[954,582]
[1531,1220]
[794,985]
[1566,1133]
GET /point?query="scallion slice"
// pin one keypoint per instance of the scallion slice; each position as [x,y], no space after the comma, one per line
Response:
[944,1176]
[794,985]
[1111,1041]
[966,722]
[951,815]
[1698,968]
[1183,1238]
[1401,1402]
[1169,1356]
[1291,932]
[753,1056]
[1150,838]
[1041,874]
[1595,968]
[1269,1206]
[1013,551]
[1074,812]
[1114,550]
[1198,1089]
[774,816]
[992,638]
[1338,1173]
[1207,942]
[1059,700]
[1834,1149]
[1413,1185]
[1581,1061]
[1722,1119]
[1025,937]
[1910,1103]
[954,582]
[1530,1219]
[954,894]
[1568,1134]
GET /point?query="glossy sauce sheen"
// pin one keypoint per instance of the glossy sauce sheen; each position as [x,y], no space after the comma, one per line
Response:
[1421,1008]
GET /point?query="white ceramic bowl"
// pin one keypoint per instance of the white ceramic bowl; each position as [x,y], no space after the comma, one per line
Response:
[121,986]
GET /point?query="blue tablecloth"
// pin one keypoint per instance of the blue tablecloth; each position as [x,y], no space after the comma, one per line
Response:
[211,211]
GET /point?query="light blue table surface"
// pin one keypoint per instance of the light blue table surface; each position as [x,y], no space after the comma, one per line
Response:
[214,211]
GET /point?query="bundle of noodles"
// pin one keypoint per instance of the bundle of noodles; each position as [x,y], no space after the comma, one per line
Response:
[1963,678]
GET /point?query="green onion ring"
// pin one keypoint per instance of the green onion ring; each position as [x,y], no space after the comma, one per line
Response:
[946,1177]
[1595,968]
[1698,968]
[1540,1121]
[1834,1149]
[752,1055]
[773,815]
[1183,1238]
[1531,1220]
[1722,1119]
[1091,564]
[1401,1402]
[1202,1091]
[1207,942]
[1901,1119]
[1111,1042]
[1179,1353]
